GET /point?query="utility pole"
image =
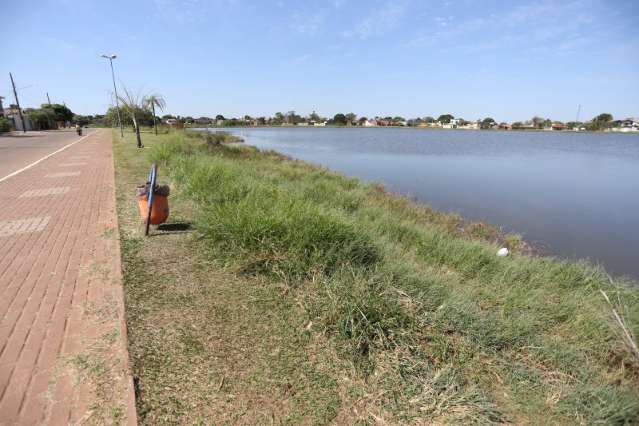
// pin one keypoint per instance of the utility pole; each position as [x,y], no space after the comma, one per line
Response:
[578,111]
[15,95]
[48,100]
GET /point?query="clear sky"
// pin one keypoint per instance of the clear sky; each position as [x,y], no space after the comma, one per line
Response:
[508,60]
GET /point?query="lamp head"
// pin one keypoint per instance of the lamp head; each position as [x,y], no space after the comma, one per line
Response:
[112,56]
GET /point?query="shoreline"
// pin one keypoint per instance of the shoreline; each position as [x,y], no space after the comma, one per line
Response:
[535,243]
[417,128]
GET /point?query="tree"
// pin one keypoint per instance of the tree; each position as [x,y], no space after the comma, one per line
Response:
[111,118]
[339,119]
[5,126]
[43,119]
[61,112]
[538,122]
[600,122]
[279,118]
[314,117]
[133,105]
[487,123]
[429,120]
[292,118]
[219,117]
[82,120]
[603,118]
[155,100]
[518,125]
[350,118]
[445,118]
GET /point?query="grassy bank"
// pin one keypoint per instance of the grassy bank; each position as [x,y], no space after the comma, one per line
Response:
[292,294]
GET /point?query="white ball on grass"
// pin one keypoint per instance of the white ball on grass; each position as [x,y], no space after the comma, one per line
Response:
[502,252]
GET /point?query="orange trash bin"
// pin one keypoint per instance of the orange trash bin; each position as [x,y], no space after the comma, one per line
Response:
[160,211]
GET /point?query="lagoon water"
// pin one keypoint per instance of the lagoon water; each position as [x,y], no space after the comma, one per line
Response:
[576,195]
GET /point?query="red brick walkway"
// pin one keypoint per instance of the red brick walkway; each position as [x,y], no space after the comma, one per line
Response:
[63,356]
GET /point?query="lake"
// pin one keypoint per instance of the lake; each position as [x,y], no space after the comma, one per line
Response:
[576,195]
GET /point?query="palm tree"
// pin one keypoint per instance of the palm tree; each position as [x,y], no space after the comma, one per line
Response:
[155,100]
[133,104]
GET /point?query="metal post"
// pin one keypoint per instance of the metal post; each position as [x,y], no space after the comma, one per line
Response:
[117,102]
[149,196]
[115,89]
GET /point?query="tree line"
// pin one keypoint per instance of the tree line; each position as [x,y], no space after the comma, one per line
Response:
[600,122]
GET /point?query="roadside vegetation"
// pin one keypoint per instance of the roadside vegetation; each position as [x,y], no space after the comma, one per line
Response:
[5,126]
[285,293]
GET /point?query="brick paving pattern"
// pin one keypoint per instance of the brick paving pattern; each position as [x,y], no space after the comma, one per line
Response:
[63,356]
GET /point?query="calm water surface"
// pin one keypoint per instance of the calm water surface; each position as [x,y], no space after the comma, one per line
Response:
[576,194]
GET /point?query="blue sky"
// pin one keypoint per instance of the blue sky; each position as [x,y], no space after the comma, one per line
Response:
[508,60]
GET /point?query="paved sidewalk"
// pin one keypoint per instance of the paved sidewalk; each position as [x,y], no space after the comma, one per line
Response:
[63,355]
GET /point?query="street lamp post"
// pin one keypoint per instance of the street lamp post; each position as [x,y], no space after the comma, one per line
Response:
[117,103]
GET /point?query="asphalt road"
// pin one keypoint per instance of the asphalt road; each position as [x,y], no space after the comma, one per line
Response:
[18,150]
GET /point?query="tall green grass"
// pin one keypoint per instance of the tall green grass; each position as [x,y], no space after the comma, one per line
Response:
[418,300]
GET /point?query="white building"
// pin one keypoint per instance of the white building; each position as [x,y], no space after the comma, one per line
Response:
[453,124]
[13,115]
[629,125]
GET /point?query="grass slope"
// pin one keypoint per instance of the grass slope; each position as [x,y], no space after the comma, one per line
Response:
[306,296]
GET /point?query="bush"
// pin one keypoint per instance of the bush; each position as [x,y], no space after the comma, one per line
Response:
[5,126]
[218,138]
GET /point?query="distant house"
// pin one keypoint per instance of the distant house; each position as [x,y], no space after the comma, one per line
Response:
[302,124]
[203,120]
[557,125]
[505,126]
[452,124]
[320,124]
[470,125]
[13,115]
[629,125]
[171,122]
[370,123]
